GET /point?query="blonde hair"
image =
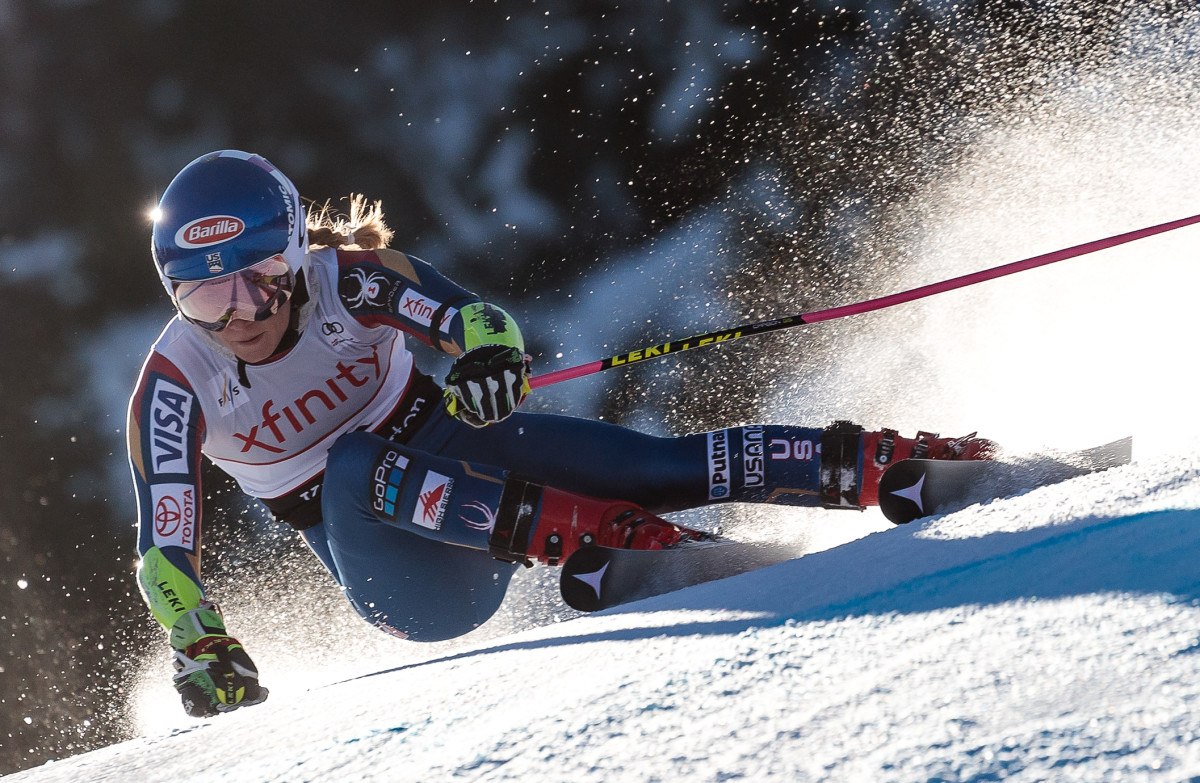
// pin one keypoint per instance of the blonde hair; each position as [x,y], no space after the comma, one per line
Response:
[363,228]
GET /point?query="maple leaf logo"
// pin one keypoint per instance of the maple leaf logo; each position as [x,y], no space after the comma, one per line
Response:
[436,491]
[430,501]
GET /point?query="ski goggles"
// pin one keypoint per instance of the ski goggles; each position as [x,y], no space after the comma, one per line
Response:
[252,294]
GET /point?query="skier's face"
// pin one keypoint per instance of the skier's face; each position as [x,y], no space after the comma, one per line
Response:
[253,341]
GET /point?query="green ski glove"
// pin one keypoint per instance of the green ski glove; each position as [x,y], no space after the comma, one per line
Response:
[213,674]
[486,384]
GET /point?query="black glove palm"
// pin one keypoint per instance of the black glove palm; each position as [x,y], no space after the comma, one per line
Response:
[486,384]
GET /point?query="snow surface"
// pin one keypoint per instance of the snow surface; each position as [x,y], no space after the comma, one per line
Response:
[1049,636]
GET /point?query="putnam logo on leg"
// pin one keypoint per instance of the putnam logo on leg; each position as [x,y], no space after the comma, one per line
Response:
[718,465]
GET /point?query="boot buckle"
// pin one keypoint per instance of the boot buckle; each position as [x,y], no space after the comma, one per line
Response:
[923,444]
[886,447]
[553,549]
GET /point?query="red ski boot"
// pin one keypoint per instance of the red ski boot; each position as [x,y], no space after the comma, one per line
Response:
[564,522]
[845,447]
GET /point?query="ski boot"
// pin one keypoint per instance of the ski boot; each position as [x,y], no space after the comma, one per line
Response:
[853,461]
[549,525]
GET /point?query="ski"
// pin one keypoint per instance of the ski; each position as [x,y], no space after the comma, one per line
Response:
[915,488]
[597,577]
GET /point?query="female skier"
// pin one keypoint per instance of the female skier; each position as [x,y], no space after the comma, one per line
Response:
[286,366]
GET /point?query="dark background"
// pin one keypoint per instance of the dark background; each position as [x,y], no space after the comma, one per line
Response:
[521,146]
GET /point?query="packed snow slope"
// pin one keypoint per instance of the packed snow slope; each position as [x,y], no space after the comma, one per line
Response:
[1054,635]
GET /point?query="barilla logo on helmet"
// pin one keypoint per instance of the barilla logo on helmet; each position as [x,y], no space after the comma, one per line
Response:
[209,231]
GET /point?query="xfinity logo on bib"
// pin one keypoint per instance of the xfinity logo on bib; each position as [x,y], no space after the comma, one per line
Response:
[280,422]
[718,465]
[170,412]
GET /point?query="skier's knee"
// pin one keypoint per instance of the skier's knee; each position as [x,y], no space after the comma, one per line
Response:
[350,455]
[382,625]
[353,459]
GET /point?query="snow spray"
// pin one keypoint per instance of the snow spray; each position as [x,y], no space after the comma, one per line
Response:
[1076,354]
[720,336]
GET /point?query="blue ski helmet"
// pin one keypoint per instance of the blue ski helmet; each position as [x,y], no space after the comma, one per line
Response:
[224,212]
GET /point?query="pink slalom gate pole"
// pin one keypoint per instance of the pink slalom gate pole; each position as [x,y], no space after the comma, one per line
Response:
[866,306]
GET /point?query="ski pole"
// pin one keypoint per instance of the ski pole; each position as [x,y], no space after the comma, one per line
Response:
[672,347]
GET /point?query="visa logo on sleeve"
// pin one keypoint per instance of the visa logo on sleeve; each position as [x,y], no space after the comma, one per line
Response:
[170,414]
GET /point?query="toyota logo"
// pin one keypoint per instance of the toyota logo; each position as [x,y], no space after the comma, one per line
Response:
[167,516]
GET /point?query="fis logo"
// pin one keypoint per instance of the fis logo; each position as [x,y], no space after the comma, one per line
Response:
[229,390]
[718,465]
[435,496]
[170,413]
[229,395]
[386,483]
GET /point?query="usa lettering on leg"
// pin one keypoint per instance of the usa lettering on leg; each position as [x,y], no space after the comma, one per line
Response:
[782,448]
